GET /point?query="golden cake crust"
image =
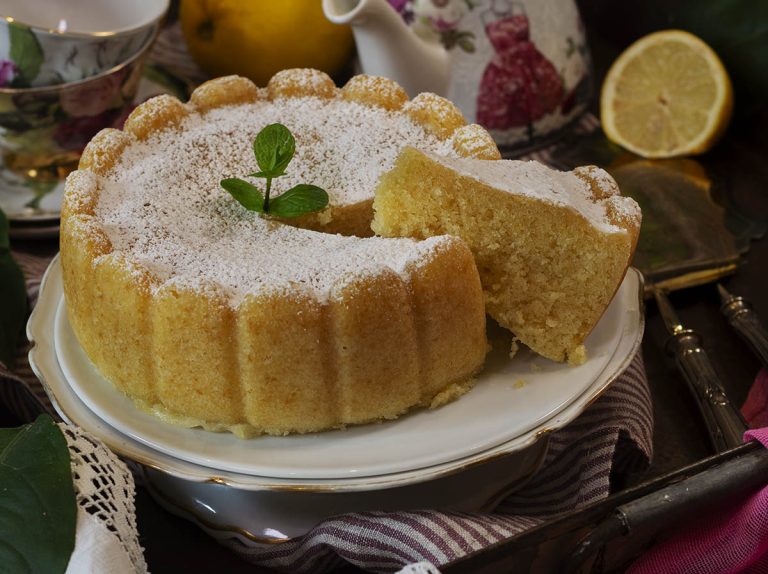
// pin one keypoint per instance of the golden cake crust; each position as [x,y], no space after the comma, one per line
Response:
[272,361]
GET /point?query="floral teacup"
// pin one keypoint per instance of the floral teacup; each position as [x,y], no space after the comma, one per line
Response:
[48,42]
[44,130]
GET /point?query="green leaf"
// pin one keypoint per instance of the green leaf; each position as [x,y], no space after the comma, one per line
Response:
[37,499]
[265,174]
[298,200]
[13,298]
[274,147]
[247,194]
[25,52]
[14,121]
[467,45]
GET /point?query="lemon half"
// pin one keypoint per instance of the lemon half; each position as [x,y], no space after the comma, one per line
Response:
[666,95]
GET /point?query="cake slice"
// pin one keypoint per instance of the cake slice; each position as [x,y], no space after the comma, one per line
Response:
[551,247]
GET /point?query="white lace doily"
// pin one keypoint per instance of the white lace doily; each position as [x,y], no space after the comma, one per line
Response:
[107,539]
[419,568]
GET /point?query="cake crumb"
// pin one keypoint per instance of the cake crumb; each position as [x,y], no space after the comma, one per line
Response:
[451,393]
[577,356]
[519,383]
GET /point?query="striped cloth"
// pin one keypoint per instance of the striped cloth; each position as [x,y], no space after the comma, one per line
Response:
[609,439]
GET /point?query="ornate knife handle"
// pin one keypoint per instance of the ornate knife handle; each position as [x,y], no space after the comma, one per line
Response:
[724,422]
[745,321]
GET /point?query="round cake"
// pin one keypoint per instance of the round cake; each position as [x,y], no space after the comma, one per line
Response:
[211,315]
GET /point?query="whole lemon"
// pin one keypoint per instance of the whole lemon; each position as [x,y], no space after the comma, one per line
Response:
[258,38]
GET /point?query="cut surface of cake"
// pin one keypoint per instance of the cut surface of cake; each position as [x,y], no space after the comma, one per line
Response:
[208,314]
[551,247]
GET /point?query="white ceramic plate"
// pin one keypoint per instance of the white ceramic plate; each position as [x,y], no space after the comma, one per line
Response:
[513,399]
[526,451]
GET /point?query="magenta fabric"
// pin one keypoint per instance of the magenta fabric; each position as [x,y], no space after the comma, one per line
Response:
[727,540]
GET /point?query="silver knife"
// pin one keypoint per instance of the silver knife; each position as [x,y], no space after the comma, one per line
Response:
[745,321]
[723,420]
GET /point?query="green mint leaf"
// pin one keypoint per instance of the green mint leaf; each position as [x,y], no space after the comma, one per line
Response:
[265,174]
[13,298]
[25,52]
[247,194]
[300,199]
[37,507]
[274,147]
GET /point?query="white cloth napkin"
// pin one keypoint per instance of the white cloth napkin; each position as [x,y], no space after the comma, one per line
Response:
[98,550]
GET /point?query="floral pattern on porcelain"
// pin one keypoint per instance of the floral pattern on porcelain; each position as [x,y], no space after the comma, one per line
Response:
[440,21]
[7,73]
[38,199]
[41,129]
[31,57]
[520,68]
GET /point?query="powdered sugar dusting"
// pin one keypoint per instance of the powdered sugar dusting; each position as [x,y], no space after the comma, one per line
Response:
[306,78]
[162,203]
[475,141]
[341,146]
[81,191]
[536,180]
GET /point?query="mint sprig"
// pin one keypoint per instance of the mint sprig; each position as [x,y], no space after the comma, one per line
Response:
[274,147]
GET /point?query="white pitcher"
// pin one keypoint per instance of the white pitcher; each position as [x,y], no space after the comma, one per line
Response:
[520,68]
